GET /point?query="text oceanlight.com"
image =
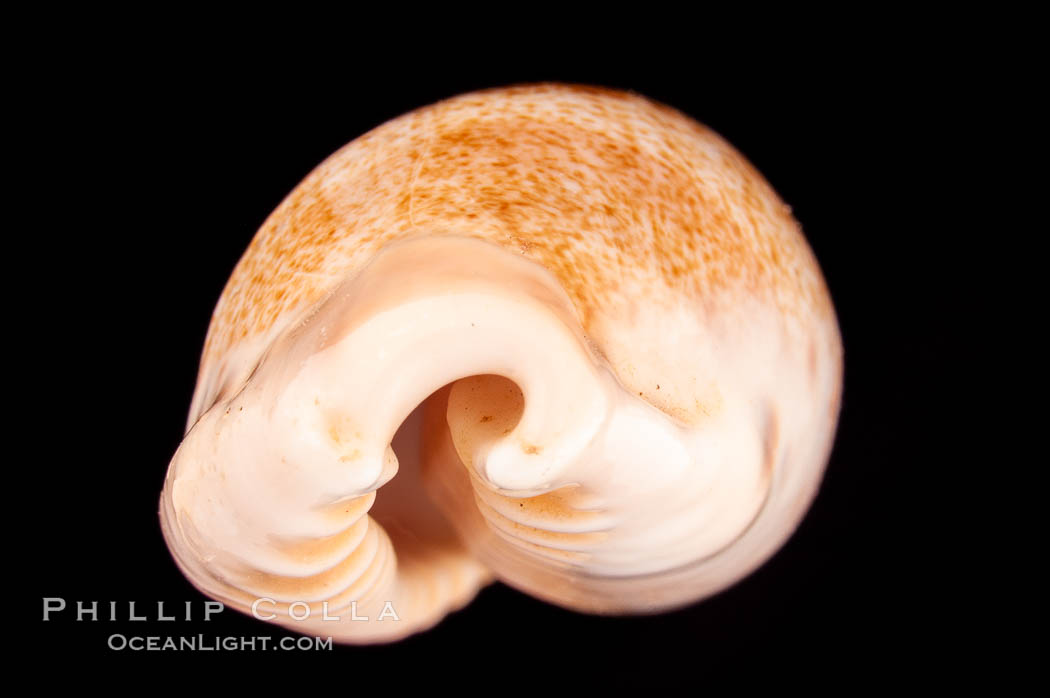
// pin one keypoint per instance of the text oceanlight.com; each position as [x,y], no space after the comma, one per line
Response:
[213,643]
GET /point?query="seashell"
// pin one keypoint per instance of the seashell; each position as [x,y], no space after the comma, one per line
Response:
[607,353]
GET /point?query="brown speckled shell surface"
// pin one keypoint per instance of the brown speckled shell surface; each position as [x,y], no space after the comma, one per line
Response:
[600,187]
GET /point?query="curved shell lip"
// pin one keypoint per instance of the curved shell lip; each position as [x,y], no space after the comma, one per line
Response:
[674,576]
[685,568]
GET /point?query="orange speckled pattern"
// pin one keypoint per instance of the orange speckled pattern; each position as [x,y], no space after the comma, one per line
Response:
[600,187]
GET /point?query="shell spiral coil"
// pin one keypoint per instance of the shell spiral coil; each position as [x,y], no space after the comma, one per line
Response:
[560,336]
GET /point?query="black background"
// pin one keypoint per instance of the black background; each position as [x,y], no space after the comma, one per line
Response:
[150,177]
